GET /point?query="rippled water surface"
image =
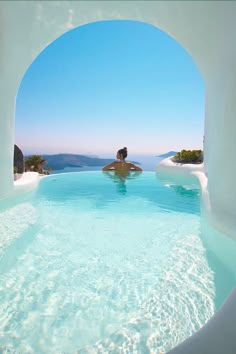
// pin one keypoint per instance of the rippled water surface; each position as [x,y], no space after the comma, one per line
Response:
[94,263]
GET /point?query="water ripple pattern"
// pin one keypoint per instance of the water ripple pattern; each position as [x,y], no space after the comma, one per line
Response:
[106,267]
[14,221]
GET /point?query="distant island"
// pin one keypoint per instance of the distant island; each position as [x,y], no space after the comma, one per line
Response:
[168,154]
[60,161]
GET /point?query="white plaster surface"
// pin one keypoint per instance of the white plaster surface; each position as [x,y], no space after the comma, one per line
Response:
[206,29]
[176,170]
[167,165]
[27,182]
[201,27]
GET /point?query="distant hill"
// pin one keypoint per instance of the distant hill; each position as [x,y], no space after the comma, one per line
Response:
[168,154]
[60,161]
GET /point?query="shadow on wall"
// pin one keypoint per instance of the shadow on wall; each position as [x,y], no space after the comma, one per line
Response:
[220,252]
[18,162]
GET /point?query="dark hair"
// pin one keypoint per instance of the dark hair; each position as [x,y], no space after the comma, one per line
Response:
[123,152]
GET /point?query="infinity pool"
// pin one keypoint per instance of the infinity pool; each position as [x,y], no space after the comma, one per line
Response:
[94,263]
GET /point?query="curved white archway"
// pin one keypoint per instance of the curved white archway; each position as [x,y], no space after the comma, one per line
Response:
[204,28]
[87,37]
[200,27]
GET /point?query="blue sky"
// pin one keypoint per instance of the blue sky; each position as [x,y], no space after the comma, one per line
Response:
[110,84]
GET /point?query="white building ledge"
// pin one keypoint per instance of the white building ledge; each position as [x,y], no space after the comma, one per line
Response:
[27,182]
[167,165]
[168,171]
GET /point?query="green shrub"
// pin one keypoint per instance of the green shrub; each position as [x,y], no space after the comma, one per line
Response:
[189,156]
[36,163]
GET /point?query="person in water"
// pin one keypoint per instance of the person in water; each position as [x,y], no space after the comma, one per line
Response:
[122,166]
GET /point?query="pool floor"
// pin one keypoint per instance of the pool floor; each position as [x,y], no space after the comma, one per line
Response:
[91,264]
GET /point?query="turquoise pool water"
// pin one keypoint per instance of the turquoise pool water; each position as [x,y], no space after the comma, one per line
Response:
[94,263]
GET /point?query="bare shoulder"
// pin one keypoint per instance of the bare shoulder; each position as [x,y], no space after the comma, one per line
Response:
[134,167]
[108,167]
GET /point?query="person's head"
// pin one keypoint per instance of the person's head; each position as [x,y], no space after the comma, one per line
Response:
[122,153]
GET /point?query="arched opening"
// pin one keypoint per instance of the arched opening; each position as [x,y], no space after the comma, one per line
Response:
[111,83]
[206,42]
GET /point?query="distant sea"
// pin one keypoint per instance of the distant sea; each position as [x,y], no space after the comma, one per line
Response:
[147,163]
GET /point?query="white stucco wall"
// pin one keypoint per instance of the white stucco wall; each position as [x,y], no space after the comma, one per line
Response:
[204,28]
